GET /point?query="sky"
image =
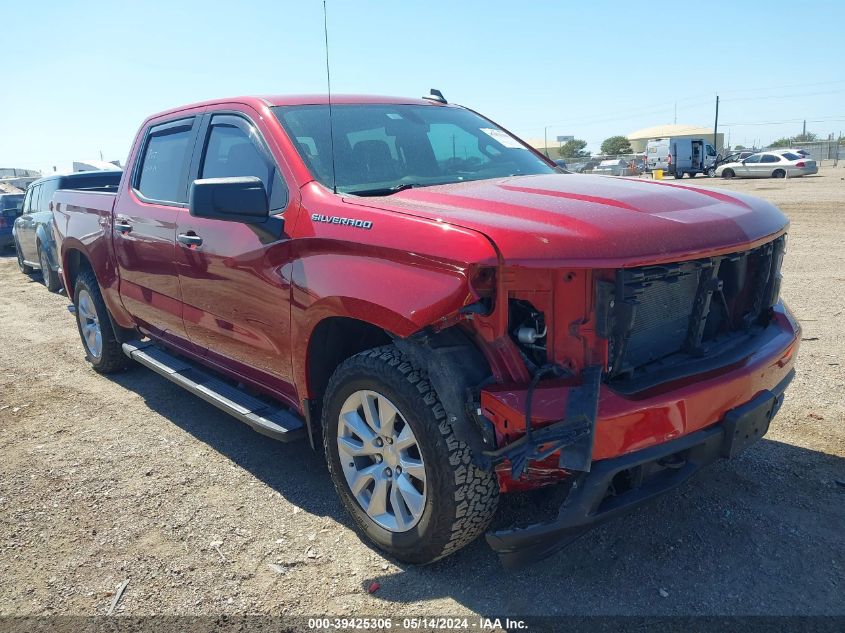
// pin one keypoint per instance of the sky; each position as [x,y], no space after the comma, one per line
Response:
[83,75]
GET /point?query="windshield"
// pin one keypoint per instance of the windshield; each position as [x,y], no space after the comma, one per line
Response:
[11,202]
[383,148]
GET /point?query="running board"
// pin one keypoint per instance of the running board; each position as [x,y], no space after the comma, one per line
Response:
[274,422]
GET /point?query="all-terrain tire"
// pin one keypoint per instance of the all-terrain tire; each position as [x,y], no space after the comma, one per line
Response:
[111,359]
[461,498]
[26,269]
[50,276]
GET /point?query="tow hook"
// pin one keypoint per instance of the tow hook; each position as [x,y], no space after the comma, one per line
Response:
[673,462]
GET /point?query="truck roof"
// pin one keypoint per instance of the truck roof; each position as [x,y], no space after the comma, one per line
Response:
[312,99]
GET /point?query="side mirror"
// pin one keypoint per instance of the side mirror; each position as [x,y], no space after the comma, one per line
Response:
[743,162]
[241,199]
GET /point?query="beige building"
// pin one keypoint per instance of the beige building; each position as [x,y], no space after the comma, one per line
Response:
[673,130]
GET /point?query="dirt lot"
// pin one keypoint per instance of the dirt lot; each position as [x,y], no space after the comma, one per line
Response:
[108,479]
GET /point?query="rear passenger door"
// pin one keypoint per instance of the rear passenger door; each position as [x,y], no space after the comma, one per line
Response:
[236,302]
[768,164]
[144,227]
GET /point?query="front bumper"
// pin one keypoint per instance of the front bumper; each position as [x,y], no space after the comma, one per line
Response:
[642,476]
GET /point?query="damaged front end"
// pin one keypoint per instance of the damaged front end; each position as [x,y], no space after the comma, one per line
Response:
[563,342]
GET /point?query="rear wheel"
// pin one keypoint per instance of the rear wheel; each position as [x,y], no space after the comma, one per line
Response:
[102,348]
[728,173]
[678,175]
[50,276]
[693,174]
[26,269]
[778,173]
[403,475]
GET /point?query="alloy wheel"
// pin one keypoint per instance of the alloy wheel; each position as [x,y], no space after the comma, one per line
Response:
[89,324]
[381,461]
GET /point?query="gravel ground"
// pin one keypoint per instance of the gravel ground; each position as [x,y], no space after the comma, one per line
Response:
[106,479]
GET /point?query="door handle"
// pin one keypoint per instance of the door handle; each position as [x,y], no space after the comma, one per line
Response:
[189,239]
[123,227]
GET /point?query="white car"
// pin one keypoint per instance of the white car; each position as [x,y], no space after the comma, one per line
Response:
[774,164]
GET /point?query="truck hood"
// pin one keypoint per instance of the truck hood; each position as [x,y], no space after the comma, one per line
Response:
[594,221]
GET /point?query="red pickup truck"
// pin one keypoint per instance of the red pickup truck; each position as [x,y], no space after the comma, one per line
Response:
[444,311]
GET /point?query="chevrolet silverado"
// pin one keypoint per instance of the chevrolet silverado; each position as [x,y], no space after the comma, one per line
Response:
[438,307]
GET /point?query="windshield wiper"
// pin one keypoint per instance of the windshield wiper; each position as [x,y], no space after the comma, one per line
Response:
[385,191]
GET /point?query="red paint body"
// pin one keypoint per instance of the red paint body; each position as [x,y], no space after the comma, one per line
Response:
[249,308]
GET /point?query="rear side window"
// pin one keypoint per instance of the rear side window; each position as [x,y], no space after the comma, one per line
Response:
[164,162]
[230,153]
[47,190]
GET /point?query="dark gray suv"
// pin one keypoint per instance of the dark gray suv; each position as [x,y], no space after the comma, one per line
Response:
[33,230]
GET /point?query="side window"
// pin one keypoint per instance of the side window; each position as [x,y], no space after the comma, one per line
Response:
[754,158]
[769,158]
[230,152]
[163,162]
[27,201]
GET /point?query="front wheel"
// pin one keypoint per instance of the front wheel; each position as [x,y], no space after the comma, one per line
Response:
[710,173]
[407,480]
[678,175]
[50,276]
[728,173]
[26,269]
[102,349]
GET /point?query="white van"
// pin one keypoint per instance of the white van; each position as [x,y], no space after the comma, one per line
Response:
[680,156]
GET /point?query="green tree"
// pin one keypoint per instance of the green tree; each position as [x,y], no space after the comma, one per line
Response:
[616,145]
[573,149]
[739,147]
[795,140]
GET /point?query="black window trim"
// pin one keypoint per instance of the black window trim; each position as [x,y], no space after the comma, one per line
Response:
[233,118]
[157,129]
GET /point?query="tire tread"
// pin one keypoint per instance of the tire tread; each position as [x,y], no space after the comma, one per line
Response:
[475,491]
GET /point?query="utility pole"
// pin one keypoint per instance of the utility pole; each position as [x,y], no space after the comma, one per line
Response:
[546,140]
[804,130]
[716,126]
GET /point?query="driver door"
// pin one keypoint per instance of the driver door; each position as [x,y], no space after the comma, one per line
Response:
[748,166]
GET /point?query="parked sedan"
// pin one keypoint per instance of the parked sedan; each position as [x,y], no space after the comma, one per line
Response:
[769,165]
[10,208]
[33,232]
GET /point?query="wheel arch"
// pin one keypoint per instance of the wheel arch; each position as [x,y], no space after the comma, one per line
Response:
[74,261]
[42,239]
[455,364]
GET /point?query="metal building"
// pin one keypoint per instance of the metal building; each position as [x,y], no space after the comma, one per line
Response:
[673,130]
